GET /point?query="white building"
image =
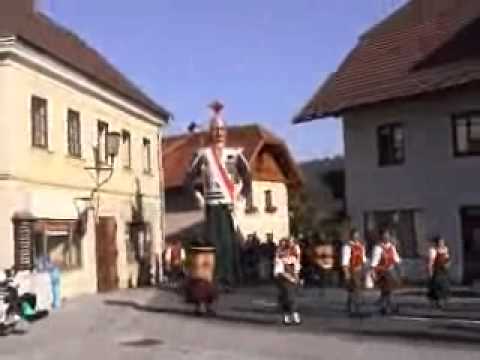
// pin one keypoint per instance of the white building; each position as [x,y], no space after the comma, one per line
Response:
[409,98]
[58,100]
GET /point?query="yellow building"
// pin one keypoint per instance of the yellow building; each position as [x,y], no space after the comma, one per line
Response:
[59,99]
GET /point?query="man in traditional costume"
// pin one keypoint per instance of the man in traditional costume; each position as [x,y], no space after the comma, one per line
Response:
[385,259]
[353,260]
[438,263]
[220,175]
[175,257]
[286,271]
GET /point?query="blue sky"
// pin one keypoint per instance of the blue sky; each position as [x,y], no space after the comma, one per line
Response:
[262,58]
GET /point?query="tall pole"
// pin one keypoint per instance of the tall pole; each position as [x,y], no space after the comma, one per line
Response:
[162,202]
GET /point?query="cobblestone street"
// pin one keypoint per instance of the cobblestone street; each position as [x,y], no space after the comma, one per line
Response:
[153,324]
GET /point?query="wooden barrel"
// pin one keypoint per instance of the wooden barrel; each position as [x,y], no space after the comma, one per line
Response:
[202,263]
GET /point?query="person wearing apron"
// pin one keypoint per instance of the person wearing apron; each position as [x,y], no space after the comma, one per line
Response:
[353,260]
[385,259]
[438,264]
[286,272]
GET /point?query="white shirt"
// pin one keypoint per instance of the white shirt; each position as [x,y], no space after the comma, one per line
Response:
[347,253]
[168,255]
[206,168]
[280,262]
[377,255]
[432,254]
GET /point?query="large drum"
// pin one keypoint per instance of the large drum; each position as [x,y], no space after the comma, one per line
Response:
[323,256]
[202,263]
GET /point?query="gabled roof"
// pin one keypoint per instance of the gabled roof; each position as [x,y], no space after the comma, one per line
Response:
[19,19]
[178,151]
[394,59]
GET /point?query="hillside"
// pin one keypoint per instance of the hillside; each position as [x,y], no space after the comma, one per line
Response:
[321,194]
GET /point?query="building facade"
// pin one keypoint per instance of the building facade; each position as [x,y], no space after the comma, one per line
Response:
[424,168]
[58,101]
[408,94]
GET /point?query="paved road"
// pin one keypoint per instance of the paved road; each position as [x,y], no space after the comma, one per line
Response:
[153,324]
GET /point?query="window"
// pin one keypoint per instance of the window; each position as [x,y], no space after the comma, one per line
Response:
[405,225]
[102,131]
[73,133]
[147,156]
[391,144]
[126,150]
[61,243]
[466,134]
[269,237]
[269,202]
[39,122]
[249,207]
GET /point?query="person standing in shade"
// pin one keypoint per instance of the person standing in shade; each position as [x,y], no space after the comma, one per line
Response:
[220,176]
[438,264]
[175,257]
[353,260]
[286,272]
[385,259]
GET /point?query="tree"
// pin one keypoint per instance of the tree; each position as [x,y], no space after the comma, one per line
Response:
[335,180]
[302,212]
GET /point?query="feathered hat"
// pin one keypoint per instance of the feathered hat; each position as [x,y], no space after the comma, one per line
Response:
[217,119]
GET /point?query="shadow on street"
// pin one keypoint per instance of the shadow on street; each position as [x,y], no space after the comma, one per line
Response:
[232,318]
[437,335]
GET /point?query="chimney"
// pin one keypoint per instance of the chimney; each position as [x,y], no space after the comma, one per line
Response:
[18,7]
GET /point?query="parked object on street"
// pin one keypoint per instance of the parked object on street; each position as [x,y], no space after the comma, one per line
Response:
[438,264]
[39,283]
[200,287]
[385,261]
[353,261]
[286,271]
[16,308]
[10,312]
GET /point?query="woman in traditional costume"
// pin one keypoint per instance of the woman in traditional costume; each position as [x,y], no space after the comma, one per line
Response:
[286,272]
[385,259]
[438,264]
[353,261]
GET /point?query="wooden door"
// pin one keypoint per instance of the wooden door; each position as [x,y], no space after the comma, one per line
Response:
[107,253]
[471,243]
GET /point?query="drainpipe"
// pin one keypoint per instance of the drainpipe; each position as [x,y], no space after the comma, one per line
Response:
[162,200]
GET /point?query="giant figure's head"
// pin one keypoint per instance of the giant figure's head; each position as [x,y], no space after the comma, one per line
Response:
[218,132]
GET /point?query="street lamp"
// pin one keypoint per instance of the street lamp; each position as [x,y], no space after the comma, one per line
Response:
[113,144]
[112,148]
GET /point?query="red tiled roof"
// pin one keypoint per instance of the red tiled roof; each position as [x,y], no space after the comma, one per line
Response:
[37,30]
[385,64]
[178,151]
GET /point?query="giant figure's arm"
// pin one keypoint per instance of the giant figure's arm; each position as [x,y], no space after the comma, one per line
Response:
[244,171]
[193,179]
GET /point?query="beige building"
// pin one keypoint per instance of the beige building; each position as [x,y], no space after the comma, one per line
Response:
[274,173]
[408,95]
[59,99]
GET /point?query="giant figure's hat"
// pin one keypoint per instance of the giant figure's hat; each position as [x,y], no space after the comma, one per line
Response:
[217,118]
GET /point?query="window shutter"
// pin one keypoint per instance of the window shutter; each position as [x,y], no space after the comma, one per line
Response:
[23,238]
